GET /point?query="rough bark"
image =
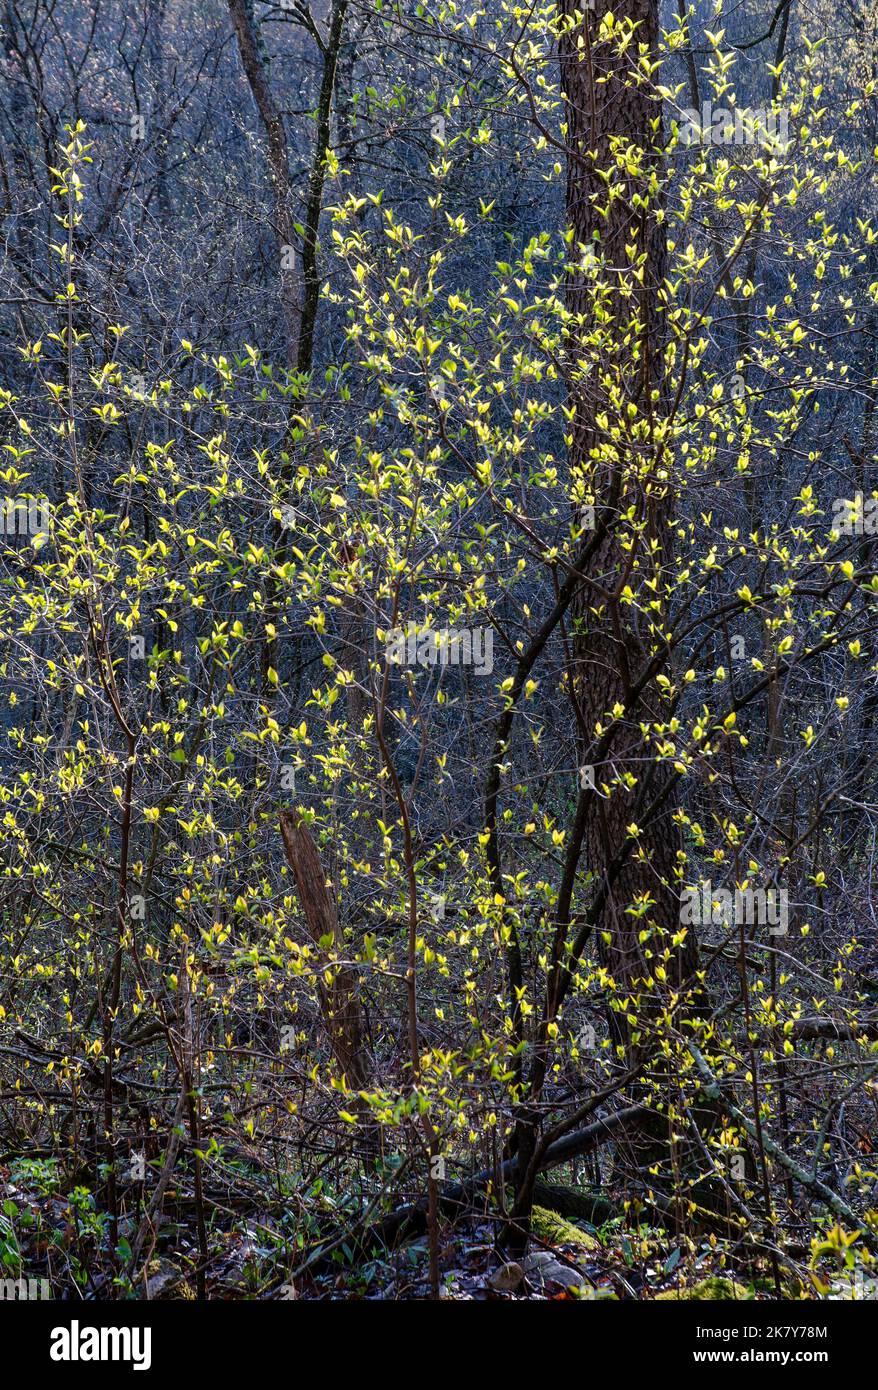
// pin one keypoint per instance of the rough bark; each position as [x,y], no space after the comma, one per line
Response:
[615,374]
[607,109]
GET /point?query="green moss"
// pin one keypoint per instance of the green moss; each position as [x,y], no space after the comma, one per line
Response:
[713,1290]
[556,1230]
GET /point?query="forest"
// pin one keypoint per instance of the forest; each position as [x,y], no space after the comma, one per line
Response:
[438,651]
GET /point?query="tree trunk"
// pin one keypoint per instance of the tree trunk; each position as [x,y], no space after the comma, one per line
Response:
[254,60]
[618,454]
[339,998]
[608,111]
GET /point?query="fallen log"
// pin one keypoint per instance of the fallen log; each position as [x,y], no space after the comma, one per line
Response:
[460,1198]
[714,1088]
[830,1029]
[574,1203]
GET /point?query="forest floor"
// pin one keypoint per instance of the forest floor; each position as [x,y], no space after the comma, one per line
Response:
[262,1244]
